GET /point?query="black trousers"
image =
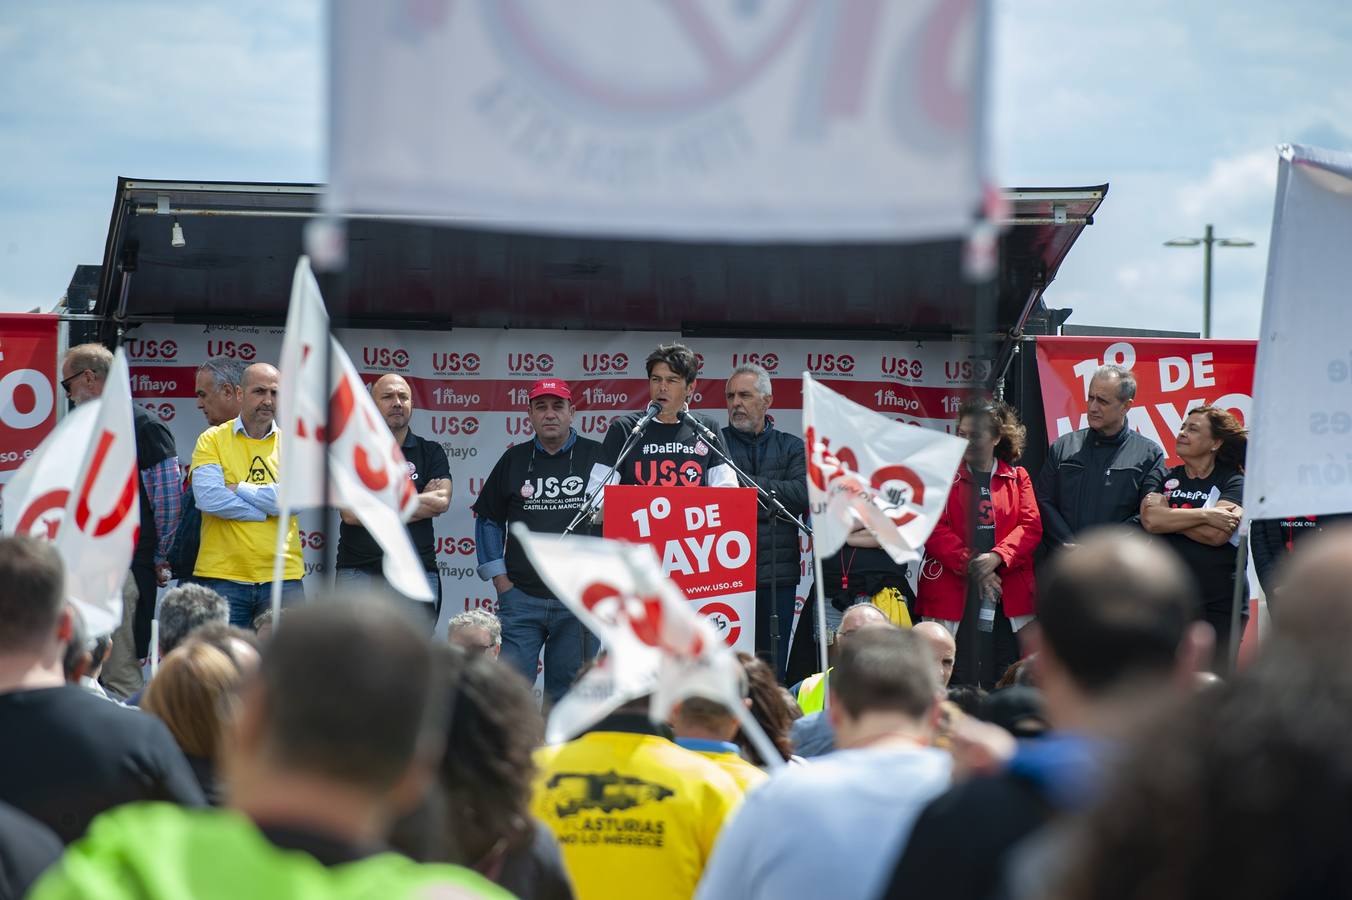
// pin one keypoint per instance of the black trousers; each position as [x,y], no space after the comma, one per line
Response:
[148,586]
[983,656]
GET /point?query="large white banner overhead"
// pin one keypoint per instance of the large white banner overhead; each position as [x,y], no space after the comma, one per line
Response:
[688,119]
[1300,448]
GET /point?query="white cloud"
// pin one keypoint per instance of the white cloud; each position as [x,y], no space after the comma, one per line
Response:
[1233,186]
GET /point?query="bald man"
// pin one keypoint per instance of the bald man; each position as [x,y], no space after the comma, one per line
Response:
[359,556]
[941,644]
[813,734]
[236,468]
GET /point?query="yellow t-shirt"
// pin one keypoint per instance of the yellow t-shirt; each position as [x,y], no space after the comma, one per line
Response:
[232,548]
[746,775]
[635,815]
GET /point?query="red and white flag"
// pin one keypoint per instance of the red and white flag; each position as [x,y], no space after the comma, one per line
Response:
[367,471]
[863,467]
[656,644]
[79,490]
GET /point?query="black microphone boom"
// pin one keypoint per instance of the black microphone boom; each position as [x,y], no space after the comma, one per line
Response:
[652,412]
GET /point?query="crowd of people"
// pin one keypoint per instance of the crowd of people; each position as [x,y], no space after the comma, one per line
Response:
[1032,713]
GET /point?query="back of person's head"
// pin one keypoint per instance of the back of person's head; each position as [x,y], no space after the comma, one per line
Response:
[1315,610]
[885,670]
[32,594]
[196,694]
[1264,754]
[1115,609]
[460,630]
[186,608]
[771,706]
[349,694]
[486,769]
[78,657]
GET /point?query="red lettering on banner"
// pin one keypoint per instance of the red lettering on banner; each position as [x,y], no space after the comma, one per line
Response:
[1172,376]
[897,486]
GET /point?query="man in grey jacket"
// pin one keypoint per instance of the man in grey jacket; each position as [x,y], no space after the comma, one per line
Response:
[1096,476]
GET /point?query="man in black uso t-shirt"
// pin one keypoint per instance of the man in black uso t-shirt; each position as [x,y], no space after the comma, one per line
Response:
[359,556]
[669,452]
[541,484]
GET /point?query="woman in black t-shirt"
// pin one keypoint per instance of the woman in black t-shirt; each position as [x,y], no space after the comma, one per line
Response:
[1196,508]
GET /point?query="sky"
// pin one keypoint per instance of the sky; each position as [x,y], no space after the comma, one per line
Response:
[1177,106]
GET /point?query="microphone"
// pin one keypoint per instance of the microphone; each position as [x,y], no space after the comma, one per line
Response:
[654,409]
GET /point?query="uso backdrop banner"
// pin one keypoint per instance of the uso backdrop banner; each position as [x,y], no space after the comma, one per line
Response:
[470,385]
[1173,375]
[29,386]
[698,119]
[706,540]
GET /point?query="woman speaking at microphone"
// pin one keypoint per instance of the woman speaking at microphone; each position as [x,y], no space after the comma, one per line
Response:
[1196,507]
[979,582]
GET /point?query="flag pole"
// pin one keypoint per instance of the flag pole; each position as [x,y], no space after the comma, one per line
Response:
[821,607]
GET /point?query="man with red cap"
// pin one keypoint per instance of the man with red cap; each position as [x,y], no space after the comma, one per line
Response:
[542,484]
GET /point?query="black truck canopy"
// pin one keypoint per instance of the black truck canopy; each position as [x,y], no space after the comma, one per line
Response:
[241,242]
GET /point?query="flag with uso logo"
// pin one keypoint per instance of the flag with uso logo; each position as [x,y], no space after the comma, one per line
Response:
[655,643]
[863,467]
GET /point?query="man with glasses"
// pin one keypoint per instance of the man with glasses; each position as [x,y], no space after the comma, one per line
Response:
[84,372]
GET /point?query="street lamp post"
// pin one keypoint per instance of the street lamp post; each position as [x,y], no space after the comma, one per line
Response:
[1207,242]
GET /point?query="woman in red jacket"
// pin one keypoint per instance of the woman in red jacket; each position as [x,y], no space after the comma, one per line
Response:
[997,561]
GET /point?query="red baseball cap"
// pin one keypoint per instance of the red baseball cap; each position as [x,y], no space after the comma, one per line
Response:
[550,387]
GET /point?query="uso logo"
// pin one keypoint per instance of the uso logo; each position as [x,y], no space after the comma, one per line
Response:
[456,362]
[488,603]
[530,363]
[724,619]
[162,411]
[235,350]
[830,363]
[140,349]
[594,424]
[767,361]
[384,357]
[968,370]
[475,486]
[312,540]
[519,425]
[604,363]
[450,545]
[454,424]
[901,367]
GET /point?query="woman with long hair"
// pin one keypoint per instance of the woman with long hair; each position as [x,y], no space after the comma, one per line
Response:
[978,582]
[1195,507]
[196,694]
[768,707]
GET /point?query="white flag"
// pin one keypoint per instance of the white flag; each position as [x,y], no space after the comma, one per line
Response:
[80,490]
[864,467]
[655,642]
[367,470]
[699,119]
[1298,461]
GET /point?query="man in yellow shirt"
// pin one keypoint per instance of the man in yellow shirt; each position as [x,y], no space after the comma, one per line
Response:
[707,728]
[634,814]
[235,470]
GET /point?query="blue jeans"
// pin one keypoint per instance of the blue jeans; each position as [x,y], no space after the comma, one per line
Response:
[248,600]
[529,623]
[361,580]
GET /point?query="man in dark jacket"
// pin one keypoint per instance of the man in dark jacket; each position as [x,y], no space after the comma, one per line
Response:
[1096,476]
[776,462]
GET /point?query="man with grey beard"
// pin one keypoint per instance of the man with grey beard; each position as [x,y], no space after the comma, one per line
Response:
[775,461]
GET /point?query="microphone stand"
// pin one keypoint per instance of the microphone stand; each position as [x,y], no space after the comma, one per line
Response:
[592,502]
[767,499]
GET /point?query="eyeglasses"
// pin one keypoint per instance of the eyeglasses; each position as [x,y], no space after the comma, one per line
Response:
[66,382]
